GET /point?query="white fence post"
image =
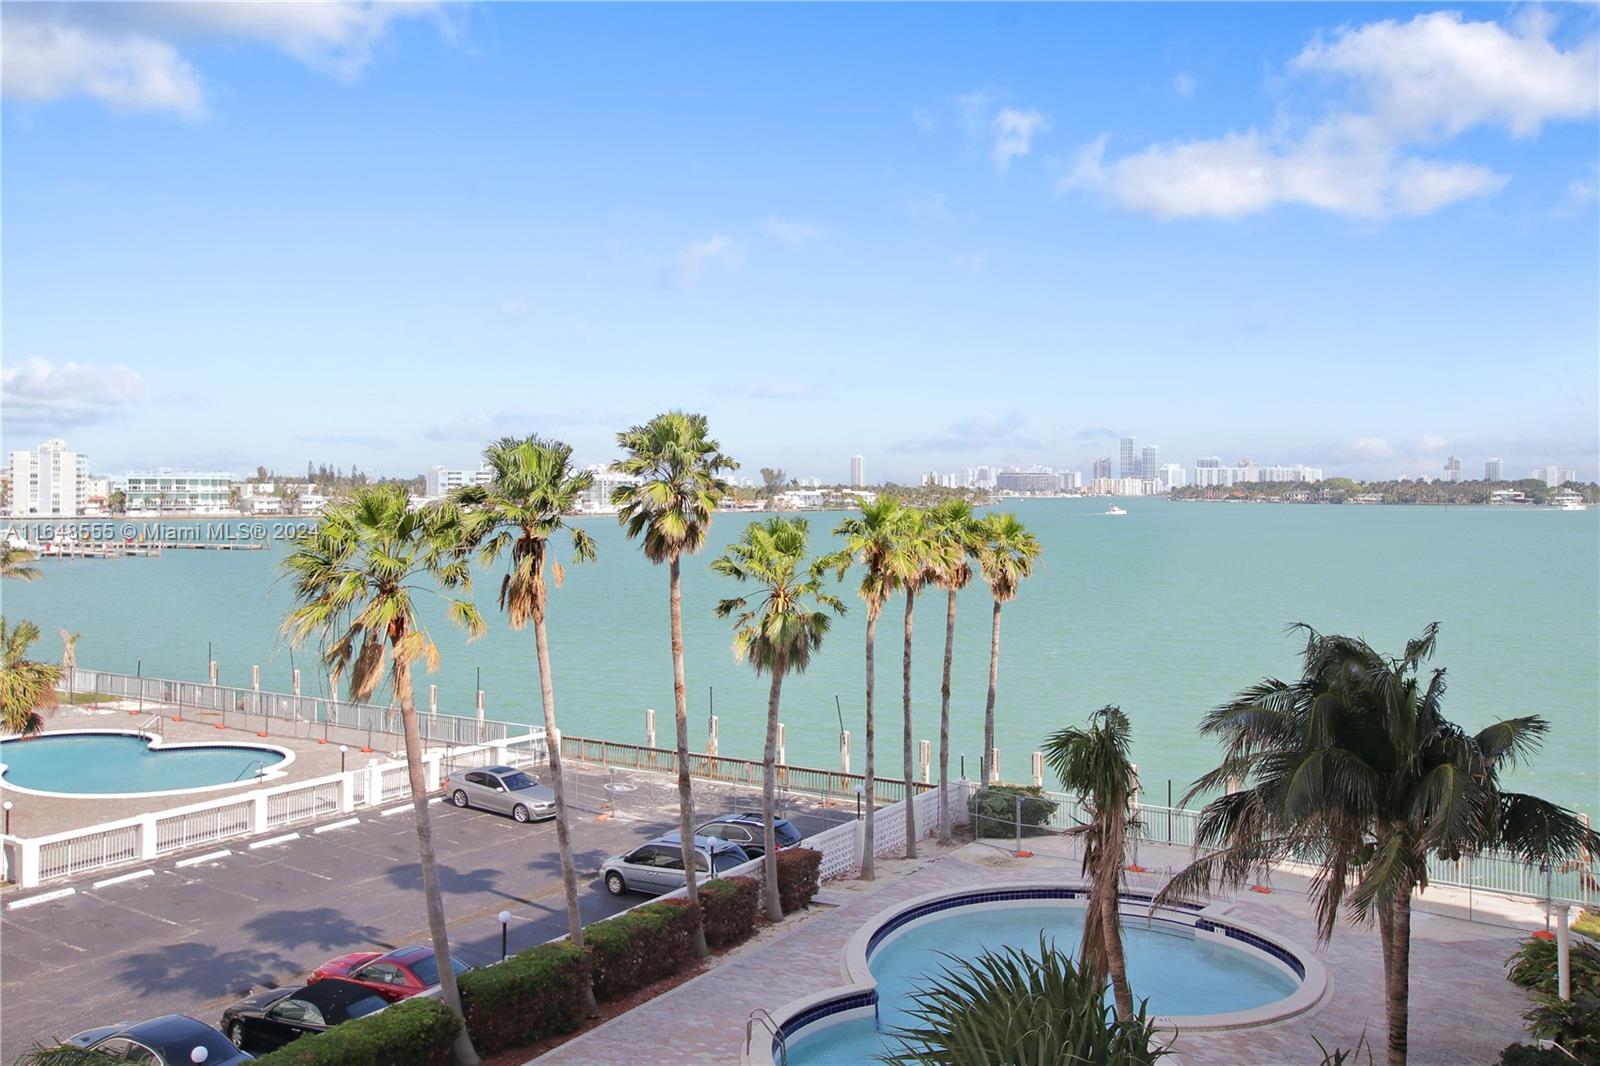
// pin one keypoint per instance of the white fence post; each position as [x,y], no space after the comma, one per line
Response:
[711,737]
[783,759]
[258,813]
[28,873]
[255,679]
[925,760]
[297,681]
[430,767]
[213,675]
[347,791]
[433,699]
[844,755]
[1038,770]
[994,765]
[147,837]
[374,783]
[650,727]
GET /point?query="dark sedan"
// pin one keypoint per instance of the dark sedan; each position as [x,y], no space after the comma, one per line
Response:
[171,1040]
[271,1019]
[402,973]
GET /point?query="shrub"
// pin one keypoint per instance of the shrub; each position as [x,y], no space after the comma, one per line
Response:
[1528,1055]
[798,870]
[728,908]
[417,1032]
[638,947]
[1574,1024]
[530,996]
[994,810]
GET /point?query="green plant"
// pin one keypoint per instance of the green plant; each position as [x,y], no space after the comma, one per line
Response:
[64,1055]
[994,810]
[728,907]
[1338,1056]
[1588,924]
[639,947]
[1533,965]
[417,1032]
[798,872]
[1574,1023]
[1529,1055]
[1021,1009]
[531,995]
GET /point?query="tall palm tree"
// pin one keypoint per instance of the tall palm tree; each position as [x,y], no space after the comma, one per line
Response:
[1093,762]
[356,577]
[532,487]
[875,541]
[920,567]
[14,563]
[1006,552]
[670,510]
[69,650]
[777,634]
[953,537]
[1354,767]
[25,686]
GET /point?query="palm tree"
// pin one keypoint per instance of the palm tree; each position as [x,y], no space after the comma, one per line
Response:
[532,487]
[1093,762]
[875,541]
[1005,552]
[952,526]
[917,550]
[1354,767]
[69,650]
[14,563]
[777,634]
[670,509]
[356,575]
[25,686]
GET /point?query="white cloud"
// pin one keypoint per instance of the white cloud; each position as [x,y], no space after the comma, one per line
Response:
[1014,131]
[691,263]
[128,56]
[1184,85]
[793,232]
[1431,442]
[1371,448]
[1411,84]
[38,394]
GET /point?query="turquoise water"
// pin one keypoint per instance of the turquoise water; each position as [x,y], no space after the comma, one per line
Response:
[106,762]
[1166,611]
[1177,973]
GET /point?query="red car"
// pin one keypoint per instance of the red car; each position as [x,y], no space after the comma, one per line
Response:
[401,973]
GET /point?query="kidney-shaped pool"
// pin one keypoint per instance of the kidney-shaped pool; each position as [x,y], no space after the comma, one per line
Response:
[107,762]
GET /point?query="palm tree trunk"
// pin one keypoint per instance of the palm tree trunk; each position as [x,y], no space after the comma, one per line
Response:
[944,718]
[1397,978]
[988,707]
[769,838]
[439,932]
[1108,883]
[680,705]
[569,873]
[869,785]
[905,669]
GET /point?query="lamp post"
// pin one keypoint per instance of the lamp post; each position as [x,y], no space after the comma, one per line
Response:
[859,792]
[7,806]
[505,920]
[342,750]
[199,1054]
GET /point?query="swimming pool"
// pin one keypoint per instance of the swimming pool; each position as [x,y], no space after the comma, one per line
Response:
[1198,972]
[121,763]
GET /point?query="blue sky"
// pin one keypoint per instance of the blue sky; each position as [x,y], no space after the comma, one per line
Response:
[1361,236]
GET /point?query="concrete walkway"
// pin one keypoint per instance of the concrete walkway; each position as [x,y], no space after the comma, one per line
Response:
[1463,1010]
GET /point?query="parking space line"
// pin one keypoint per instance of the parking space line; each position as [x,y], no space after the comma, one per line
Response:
[394,810]
[43,897]
[284,839]
[210,856]
[345,824]
[125,877]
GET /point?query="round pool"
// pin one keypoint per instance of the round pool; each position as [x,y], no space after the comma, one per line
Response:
[115,762]
[1197,972]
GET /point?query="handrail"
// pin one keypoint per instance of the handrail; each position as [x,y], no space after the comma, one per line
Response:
[258,765]
[762,1015]
[160,725]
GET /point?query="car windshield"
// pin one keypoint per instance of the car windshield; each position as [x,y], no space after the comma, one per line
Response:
[217,1046]
[518,780]
[727,860]
[427,969]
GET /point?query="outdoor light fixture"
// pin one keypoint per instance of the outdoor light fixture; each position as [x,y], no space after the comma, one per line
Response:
[859,792]
[342,750]
[505,920]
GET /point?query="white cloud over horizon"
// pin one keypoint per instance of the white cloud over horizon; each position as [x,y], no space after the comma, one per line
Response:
[42,396]
[692,262]
[793,231]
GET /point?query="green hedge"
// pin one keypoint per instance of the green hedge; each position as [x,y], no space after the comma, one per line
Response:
[728,907]
[639,947]
[798,877]
[532,995]
[994,810]
[417,1032]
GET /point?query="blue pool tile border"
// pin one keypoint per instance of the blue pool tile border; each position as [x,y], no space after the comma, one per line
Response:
[825,1010]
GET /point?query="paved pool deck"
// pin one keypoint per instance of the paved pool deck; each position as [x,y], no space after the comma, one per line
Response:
[1463,1010]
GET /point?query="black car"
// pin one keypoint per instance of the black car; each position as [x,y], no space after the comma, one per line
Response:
[171,1040]
[271,1019]
[744,829]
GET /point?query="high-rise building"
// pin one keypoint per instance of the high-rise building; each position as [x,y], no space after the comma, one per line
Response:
[1452,469]
[1102,469]
[1172,476]
[1149,462]
[50,480]
[1210,462]
[858,472]
[1071,481]
[1494,470]
[1130,457]
[441,480]
[1027,481]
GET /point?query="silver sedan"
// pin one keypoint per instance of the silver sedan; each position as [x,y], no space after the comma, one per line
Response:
[504,789]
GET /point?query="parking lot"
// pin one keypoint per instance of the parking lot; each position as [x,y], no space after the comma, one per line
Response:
[192,938]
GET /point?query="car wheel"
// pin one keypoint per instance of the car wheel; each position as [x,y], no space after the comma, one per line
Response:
[236,1034]
[459,798]
[615,884]
[520,813]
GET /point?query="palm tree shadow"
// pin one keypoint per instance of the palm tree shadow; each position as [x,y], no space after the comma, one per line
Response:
[321,927]
[201,970]
[585,862]
[408,876]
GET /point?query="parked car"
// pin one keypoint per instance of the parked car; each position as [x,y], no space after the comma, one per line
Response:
[657,866]
[744,829]
[270,1019]
[170,1040]
[504,789]
[398,975]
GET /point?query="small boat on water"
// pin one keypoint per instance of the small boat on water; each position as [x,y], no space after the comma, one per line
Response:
[17,542]
[1567,500]
[1114,509]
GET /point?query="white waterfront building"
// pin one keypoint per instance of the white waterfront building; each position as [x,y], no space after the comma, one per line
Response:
[440,481]
[51,480]
[181,491]
[596,499]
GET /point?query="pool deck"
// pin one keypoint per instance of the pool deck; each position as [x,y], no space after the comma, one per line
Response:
[36,816]
[1462,1007]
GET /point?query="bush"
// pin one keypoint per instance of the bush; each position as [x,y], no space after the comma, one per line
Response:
[1528,1055]
[417,1032]
[639,947]
[728,908]
[1574,1024]
[798,877]
[528,997]
[994,810]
